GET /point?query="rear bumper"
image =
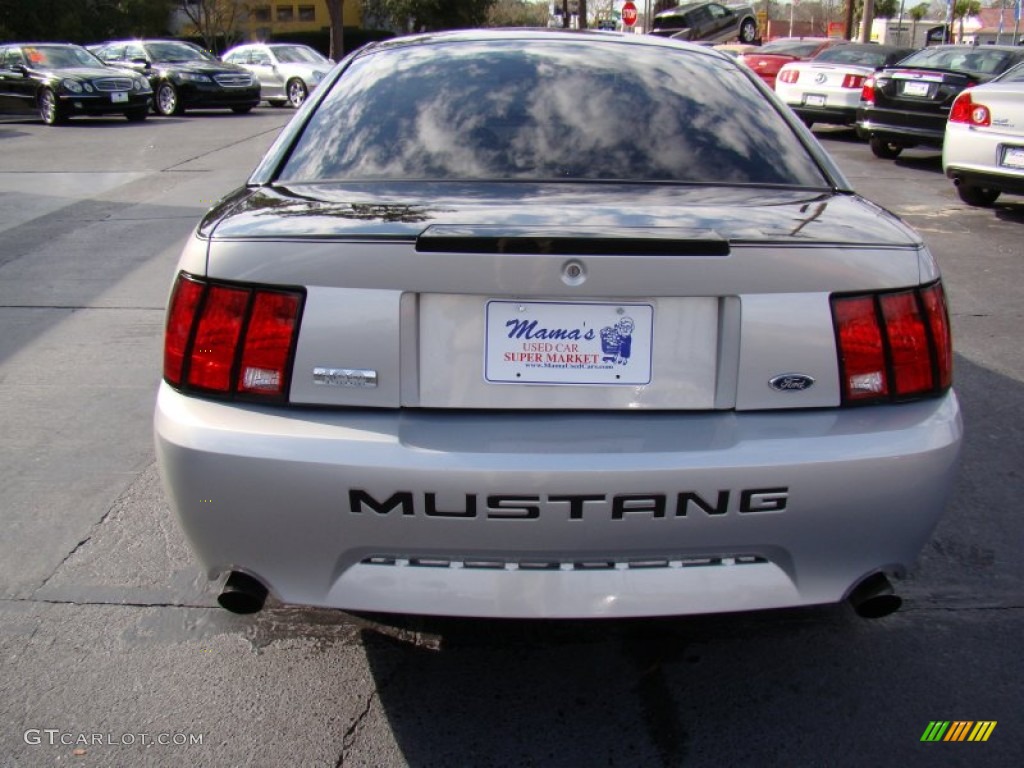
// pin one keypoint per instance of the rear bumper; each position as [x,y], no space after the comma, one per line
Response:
[906,129]
[535,515]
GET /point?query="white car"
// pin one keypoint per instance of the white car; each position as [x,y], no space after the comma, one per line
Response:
[287,72]
[827,88]
[983,152]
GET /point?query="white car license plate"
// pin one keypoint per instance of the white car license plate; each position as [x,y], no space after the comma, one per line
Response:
[119,97]
[814,100]
[552,342]
[914,88]
[1013,157]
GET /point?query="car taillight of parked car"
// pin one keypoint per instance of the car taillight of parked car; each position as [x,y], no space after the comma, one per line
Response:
[894,345]
[231,339]
[853,81]
[867,92]
[789,76]
[966,110]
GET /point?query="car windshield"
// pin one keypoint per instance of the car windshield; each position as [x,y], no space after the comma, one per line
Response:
[297,54]
[855,55]
[789,48]
[516,110]
[962,58]
[60,56]
[176,52]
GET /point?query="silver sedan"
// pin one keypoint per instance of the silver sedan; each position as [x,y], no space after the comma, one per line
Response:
[463,345]
[287,72]
[983,150]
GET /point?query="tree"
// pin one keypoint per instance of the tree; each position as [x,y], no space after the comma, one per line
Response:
[215,20]
[429,15]
[83,21]
[336,11]
[517,13]
[962,9]
[917,13]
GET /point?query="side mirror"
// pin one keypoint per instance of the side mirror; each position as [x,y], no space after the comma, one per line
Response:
[21,69]
[144,63]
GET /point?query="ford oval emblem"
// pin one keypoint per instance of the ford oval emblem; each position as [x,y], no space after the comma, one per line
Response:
[791,382]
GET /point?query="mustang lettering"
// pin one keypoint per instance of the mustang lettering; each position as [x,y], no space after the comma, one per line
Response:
[527,507]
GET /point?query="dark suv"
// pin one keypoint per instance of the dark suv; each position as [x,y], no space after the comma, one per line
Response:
[184,76]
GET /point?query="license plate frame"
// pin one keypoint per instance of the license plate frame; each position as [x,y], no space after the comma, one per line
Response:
[1013,157]
[563,343]
[916,88]
[119,97]
[815,100]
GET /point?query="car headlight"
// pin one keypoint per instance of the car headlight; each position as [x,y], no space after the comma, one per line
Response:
[88,87]
[139,85]
[194,78]
[72,85]
[317,76]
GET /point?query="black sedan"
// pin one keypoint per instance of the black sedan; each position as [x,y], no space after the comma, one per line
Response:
[184,76]
[57,81]
[907,105]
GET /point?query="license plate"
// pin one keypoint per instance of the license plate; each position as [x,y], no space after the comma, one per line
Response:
[570,343]
[119,97]
[913,88]
[814,100]
[1013,157]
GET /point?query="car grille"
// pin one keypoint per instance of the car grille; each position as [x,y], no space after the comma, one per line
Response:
[233,81]
[543,564]
[111,84]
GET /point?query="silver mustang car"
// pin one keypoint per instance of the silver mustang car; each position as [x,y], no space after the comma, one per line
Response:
[599,331]
[287,72]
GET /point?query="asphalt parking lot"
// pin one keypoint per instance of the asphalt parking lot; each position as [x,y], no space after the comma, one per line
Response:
[115,654]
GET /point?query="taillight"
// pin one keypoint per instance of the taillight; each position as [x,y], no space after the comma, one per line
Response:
[894,345]
[854,82]
[789,75]
[966,110]
[867,93]
[231,338]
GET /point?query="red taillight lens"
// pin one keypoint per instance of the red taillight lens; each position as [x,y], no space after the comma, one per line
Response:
[908,343]
[893,345]
[966,110]
[230,339]
[213,351]
[789,76]
[180,314]
[867,93]
[938,322]
[861,356]
[268,343]
[854,82]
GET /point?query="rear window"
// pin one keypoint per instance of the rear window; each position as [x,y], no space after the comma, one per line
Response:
[960,58]
[519,110]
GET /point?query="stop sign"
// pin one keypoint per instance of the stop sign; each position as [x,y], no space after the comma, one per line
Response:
[628,14]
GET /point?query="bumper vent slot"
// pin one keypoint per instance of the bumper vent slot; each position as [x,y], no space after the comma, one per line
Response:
[587,564]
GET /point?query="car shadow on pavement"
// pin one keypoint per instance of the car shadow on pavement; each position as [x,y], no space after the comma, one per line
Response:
[800,686]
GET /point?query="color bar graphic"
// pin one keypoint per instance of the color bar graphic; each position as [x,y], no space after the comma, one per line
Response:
[958,730]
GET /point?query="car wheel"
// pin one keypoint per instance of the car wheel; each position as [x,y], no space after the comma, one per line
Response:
[748,31]
[296,90]
[50,110]
[884,149]
[241,110]
[167,101]
[137,115]
[981,197]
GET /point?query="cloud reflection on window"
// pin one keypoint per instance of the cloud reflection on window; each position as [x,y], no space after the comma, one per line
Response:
[522,110]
